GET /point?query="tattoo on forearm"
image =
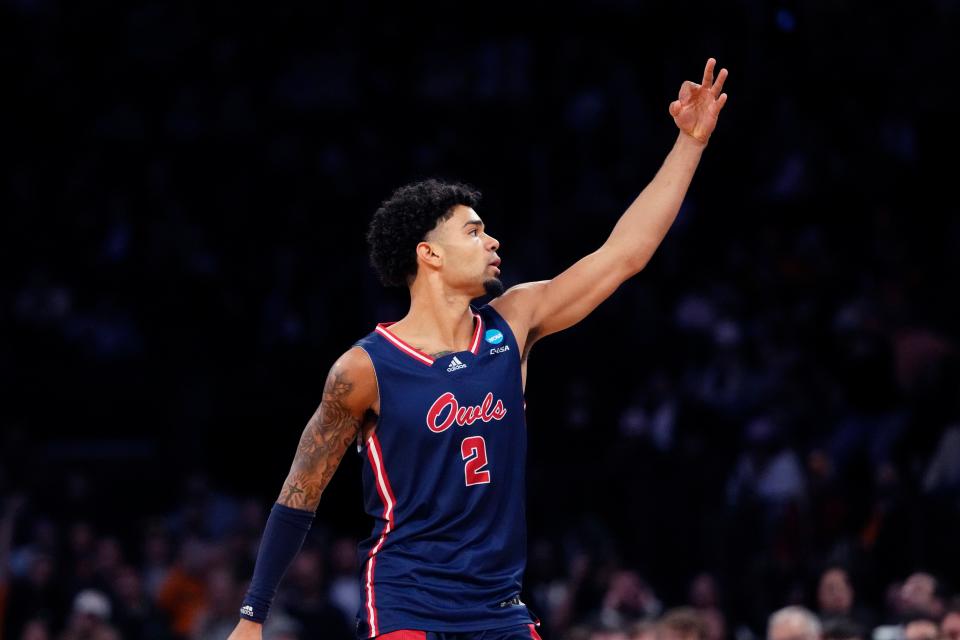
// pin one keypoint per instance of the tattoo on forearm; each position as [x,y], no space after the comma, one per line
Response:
[324,441]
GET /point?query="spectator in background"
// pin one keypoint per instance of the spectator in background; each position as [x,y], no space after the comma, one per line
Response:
[705,598]
[794,623]
[950,625]
[768,470]
[107,560]
[920,628]
[836,601]
[81,543]
[842,629]
[38,594]
[156,563]
[915,600]
[919,596]
[35,595]
[681,623]
[219,614]
[135,615]
[344,586]
[36,629]
[284,628]
[90,617]
[305,598]
[628,599]
[183,593]
[834,594]
[41,538]
[643,630]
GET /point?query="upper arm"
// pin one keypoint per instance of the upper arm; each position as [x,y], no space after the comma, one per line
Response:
[349,391]
[537,309]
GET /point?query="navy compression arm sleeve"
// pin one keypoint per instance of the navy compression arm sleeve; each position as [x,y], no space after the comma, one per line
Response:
[282,538]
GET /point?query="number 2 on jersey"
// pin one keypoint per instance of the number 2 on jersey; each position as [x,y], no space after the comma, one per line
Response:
[474,452]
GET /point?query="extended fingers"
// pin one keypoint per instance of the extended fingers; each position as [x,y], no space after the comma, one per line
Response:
[718,85]
[708,72]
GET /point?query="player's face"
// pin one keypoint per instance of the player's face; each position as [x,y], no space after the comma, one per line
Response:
[470,259]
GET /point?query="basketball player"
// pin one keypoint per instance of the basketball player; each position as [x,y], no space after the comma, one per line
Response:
[435,405]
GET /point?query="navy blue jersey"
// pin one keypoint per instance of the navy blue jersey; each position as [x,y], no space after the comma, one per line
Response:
[444,479]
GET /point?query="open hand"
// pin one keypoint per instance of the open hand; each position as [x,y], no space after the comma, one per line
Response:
[699,105]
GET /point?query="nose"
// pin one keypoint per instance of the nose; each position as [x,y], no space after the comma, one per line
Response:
[495,244]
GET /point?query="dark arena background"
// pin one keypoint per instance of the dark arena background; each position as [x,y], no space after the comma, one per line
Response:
[767,415]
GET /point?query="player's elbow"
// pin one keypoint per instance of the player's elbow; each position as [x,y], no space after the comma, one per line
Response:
[624,261]
[632,264]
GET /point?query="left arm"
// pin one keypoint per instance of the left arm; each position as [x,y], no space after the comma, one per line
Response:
[536,309]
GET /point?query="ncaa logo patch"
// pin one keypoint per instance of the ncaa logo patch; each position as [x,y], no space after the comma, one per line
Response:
[493,336]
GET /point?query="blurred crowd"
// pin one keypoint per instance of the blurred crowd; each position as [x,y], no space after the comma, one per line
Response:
[173,578]
[767,416]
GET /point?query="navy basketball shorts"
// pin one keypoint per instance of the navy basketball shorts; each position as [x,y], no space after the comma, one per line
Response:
[515,632]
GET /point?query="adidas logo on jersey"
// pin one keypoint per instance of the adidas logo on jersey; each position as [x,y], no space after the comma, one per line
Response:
[246,610]
[455,364]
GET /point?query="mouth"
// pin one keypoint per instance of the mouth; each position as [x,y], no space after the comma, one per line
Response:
[495,264]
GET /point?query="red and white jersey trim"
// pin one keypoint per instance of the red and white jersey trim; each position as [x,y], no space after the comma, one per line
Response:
[411,351]
[375,455]
[420,356]
[475,343]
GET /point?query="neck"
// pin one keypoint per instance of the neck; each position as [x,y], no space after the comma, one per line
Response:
[439,318]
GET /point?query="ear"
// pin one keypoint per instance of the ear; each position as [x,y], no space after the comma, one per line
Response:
[430,254]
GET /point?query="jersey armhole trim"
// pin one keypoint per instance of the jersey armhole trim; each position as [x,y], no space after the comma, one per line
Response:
[506,325]
[376,377]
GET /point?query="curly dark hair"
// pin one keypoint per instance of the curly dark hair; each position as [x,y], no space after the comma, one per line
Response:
[404,219]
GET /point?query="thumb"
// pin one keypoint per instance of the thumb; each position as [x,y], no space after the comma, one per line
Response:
[675,108]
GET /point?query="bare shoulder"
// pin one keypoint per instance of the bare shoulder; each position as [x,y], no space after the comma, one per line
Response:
[353,381]
[517,305]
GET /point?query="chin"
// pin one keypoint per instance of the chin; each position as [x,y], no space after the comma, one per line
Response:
[493,287]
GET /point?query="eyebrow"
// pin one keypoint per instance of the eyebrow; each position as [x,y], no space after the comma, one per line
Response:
[478,222]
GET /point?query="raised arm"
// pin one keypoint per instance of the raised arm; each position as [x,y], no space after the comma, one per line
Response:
[349,393]
[536,309]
